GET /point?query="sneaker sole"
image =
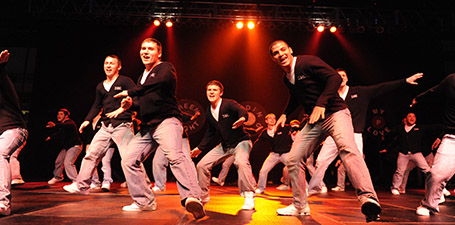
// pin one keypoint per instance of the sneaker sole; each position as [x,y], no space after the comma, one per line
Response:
[196,209]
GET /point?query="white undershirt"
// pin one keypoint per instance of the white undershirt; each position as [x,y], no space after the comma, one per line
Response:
[107,85]
[345,93]
[216,112]
[271,132]
[291,75]
[408,128]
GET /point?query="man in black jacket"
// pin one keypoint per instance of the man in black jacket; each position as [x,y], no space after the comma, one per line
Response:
[13,133]
[161,129]
[115,120]
[225,119]
[314,84]
[69,143]
[357,98]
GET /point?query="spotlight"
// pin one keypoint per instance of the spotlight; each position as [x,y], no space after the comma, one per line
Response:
[169,23]
[380,29]
[156,23]
[361,29]
[320,28]
[239,25]
[250,25]
[333,29]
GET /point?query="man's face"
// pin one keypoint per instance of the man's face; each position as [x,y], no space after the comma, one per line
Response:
[282,54]
[271,120]
[411,119]
[61,116]
[111,66]
[343,76]
[149,53]
[214,93]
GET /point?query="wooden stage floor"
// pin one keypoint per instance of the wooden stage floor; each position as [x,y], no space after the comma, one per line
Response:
[38,203]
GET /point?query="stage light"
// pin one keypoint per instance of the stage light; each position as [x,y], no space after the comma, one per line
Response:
[320,28]
[250,25]
[169,24]
[333,29]
[239,25]
[156,23]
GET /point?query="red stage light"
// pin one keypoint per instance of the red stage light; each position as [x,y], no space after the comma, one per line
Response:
[239,25]
[169,24]
[320,28]
[156,23]
[333,29]
[250,25]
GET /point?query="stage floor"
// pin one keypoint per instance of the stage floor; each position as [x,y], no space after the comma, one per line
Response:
[38,203]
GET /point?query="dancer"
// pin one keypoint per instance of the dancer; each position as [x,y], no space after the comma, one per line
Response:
[225,117]
[70,145]
[162,129]
[357,98]
[314,84]
[13,132]
[443,167]
[115,120]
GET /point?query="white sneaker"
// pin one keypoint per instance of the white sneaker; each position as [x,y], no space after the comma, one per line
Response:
[135,208]
[54,180]
[249,200]
[156,189]
[16,182]
[72,188]
[395,192]
[195,207]
[422,211]
[94,186]
[338,188]
[291,210]
[5,210]
[259,191]
[106,187]
[442,200]
[446,192]
[124,185]
[323,190]
[283,187]
[216,180]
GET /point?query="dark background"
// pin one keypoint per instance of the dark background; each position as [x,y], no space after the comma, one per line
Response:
[57,63]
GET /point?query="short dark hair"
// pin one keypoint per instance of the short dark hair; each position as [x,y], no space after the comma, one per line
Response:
[116,57]
[158,43]
[65,111]
[217,83]
[274,43]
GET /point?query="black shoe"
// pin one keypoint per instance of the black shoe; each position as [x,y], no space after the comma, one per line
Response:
[371,209]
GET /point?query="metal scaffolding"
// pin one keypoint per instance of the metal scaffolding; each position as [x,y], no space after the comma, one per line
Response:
[270,15]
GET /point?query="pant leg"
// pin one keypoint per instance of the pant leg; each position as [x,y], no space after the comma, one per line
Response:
[59,164]
[10,141]
[442,170]
[225,168]
[339,127]
[95,152]
[420,161]
[305,141]
[70,158]
[341,176]
[205,165]
[402,164]
[246,180]
[15,164]
[285,178]
[310,164]
[326,155]
[106,167]
[404,181]
[168,135]
[267,166]
[136,152]
[160,164]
